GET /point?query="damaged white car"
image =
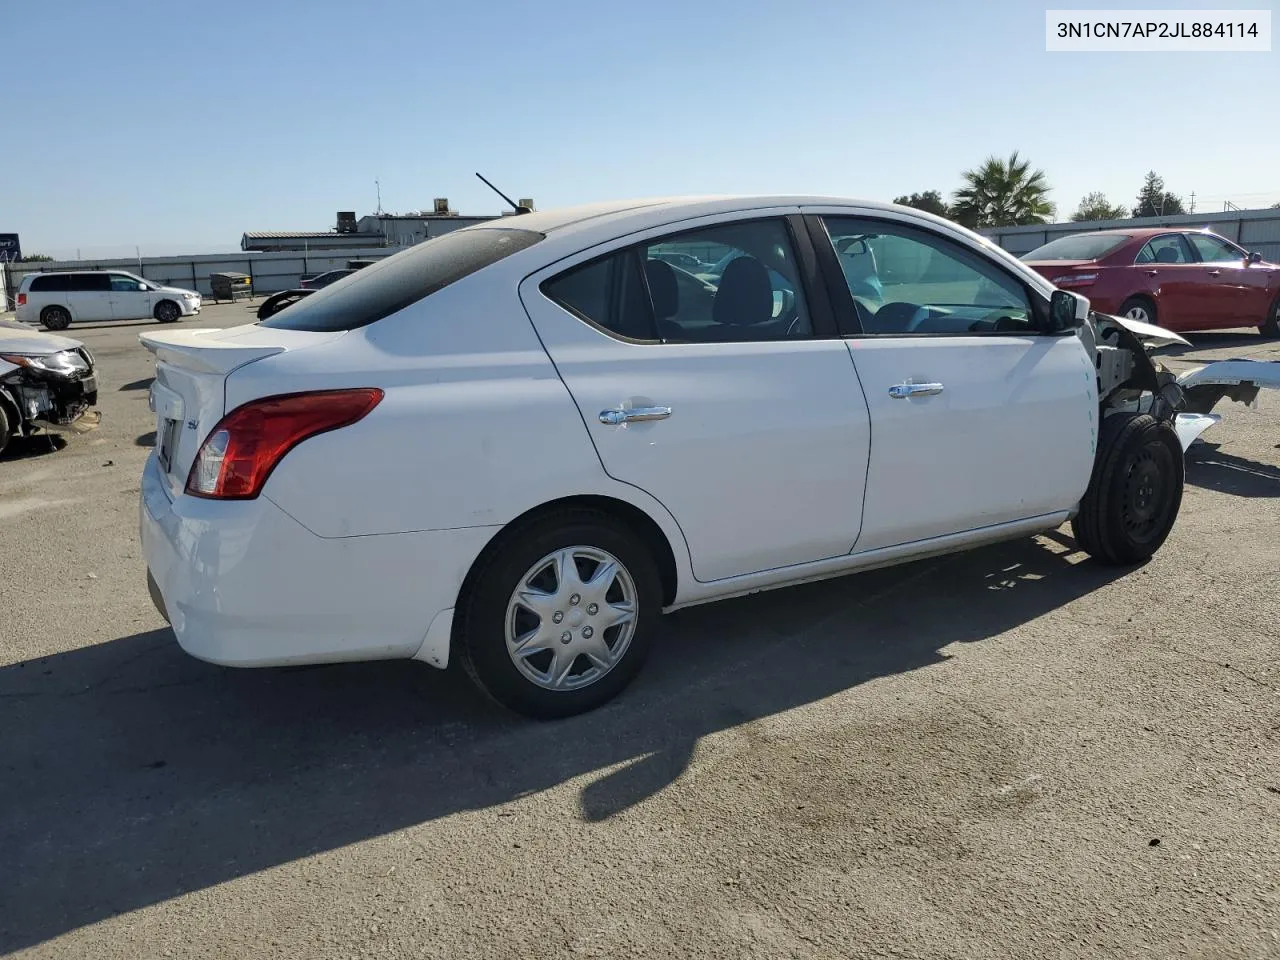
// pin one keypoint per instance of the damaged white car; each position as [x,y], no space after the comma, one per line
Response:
[521,442]
[46,381]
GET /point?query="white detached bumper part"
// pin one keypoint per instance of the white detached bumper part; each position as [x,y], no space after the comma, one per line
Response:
[244,584]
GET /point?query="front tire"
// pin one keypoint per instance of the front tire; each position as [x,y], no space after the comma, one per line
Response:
[559,618]
[6,430]
[55,318]
[168,312]
[1271,326]
[1141,309]
[1135,491]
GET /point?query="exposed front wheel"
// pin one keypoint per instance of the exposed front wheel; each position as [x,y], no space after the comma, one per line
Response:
[1140,309]
[1271,326]
[6,431]
[55,318]
[559,618]
[1135,491]
[167,311]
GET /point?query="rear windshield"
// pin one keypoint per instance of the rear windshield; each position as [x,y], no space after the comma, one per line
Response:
[1082,246]
[392,284]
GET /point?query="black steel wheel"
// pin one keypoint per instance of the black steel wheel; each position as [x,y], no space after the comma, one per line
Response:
[1135,492]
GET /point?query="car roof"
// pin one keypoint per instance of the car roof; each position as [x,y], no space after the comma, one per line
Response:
[1138,232]
[552,220]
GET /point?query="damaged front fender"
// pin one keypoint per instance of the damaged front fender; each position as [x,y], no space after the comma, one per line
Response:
[1240,380]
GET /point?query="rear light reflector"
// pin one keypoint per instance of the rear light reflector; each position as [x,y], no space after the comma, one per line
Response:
[22,299]
[244,447]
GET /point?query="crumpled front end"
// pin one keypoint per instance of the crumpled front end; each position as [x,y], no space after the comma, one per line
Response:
[48,391]
[1130,380]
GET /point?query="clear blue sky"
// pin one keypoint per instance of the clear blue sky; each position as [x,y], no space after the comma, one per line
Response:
[177,127]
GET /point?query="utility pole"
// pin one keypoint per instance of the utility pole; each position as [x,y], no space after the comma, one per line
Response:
[1193,202]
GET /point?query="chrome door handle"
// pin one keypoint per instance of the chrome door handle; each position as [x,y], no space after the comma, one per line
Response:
[1215,273]
[1153,273]
[634,415]
[903,391]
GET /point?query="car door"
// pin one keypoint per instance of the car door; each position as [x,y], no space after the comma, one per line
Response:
[130,299]
[978,418]
[731,399]
[1187,296]
[1243,286]
[89,297]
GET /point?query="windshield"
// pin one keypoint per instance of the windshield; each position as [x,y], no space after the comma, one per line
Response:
[392,284]
[1082,246]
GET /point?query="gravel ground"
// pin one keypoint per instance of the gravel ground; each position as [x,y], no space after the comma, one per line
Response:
[1007,753]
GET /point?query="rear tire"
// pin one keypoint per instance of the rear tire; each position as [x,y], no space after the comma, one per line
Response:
[1135,491]
[55,318]
[496,615]
[168,312]
[1143,309]
[1271,326]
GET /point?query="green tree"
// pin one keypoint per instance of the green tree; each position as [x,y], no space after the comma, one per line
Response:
[930,201]
[1154,200]
[1003,193]
[1094,206]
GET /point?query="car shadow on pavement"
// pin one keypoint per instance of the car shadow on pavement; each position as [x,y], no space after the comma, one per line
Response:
[1209,467]
[143,384]
[28,448]
[133,773]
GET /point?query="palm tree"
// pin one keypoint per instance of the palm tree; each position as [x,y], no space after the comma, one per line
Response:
[1003,193]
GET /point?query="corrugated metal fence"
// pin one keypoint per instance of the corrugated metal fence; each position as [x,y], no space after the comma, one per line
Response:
[270,271]
[1255,230]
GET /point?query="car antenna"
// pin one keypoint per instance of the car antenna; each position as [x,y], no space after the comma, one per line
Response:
[515,206]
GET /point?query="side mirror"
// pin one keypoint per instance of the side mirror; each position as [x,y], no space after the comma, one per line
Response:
[1255,256]
[1067,310]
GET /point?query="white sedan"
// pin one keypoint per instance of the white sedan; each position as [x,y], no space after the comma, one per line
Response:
[521,442]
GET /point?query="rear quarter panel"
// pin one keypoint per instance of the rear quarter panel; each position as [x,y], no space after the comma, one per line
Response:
[476,427]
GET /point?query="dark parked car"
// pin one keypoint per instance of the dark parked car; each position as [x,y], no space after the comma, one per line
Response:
[1178,279]
[324,279]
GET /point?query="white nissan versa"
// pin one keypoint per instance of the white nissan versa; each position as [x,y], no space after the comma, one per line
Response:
[520,442]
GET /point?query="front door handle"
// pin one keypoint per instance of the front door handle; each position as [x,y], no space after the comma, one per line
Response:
[634,415]
[1153,273]
[903,391]
[1215,273]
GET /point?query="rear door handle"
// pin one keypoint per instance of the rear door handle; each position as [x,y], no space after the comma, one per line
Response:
[1215,273]
[633,415]
[1152,273]
[903,391]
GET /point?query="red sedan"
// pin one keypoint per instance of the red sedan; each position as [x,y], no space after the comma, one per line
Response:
[1179,279]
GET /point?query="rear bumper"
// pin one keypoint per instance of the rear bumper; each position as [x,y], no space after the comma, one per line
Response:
[243,584]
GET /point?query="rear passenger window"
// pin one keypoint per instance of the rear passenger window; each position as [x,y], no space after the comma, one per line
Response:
[610,293]
[1171,248]
[90,282]
[729,283]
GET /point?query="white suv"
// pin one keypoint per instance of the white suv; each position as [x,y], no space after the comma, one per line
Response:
[56,299]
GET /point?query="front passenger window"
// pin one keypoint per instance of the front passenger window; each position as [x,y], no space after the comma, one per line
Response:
[909,281]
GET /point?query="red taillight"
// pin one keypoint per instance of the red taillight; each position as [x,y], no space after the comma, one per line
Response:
[22,299]
[1069,280]
[240,452]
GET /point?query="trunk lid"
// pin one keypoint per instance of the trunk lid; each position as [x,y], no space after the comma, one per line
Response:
[188,394]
